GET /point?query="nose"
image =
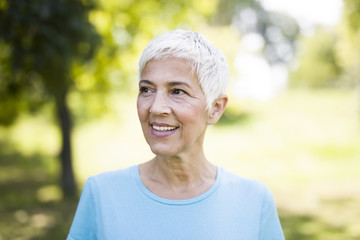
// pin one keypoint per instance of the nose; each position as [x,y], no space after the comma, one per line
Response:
[160,104]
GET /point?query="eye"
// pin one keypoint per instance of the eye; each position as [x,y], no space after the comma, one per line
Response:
[178,91]
[144,90]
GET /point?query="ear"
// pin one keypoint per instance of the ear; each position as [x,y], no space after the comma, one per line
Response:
[217,109]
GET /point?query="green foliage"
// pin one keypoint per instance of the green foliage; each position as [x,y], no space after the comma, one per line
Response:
[127,26]
[236,114]
[277,29]
[45,38]
[30,204]
[348,47]
[352,14]
[318,65]
[42,40]
[234,117]
[331,57]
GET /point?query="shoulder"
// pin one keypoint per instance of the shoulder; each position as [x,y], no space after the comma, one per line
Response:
[242,185]
[120,177]
[114,174]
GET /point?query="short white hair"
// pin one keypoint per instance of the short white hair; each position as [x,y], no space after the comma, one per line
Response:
[208,62]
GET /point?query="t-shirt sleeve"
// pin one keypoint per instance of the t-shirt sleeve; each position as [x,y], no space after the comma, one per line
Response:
[84,223]
[270,227]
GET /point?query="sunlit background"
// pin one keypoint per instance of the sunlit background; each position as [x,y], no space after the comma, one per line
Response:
[293,118]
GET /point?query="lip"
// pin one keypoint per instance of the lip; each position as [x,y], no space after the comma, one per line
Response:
[160,124]
[164,133]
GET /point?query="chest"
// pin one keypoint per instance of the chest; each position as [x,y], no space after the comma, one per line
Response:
[210,219]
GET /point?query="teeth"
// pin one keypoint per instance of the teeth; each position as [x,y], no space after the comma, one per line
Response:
[163,129]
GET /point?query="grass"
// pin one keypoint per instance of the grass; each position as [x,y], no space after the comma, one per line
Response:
[303,145]
[31,203]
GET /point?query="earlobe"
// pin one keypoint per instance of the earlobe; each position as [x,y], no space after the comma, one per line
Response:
[217,109]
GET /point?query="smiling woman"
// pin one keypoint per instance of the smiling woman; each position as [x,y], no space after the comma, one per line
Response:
[171,108]
[178,194]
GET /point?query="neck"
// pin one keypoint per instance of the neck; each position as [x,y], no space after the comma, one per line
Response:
[178,177]
[177,171]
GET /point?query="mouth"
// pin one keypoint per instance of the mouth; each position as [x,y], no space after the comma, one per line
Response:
[163,128]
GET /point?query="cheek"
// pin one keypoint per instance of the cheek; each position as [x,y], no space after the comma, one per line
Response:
[195,116]
[141,110]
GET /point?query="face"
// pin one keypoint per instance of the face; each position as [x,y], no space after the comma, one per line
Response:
[171,108]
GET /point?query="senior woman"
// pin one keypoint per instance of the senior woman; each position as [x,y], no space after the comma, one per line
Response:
[178,194]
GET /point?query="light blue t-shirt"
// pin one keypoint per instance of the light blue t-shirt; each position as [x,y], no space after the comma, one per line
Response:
[117,205]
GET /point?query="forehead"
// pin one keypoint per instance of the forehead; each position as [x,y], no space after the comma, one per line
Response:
[170,69]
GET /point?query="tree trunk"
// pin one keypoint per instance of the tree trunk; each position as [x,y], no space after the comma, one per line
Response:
[67,175]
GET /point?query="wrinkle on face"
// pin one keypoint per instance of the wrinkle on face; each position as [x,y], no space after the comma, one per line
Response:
[185,108]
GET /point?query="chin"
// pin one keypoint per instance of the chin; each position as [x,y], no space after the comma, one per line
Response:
[163,151]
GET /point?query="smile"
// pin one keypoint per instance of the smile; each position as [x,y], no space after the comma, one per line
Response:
[163,128]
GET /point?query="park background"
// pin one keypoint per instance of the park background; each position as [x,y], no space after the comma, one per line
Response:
[68,86]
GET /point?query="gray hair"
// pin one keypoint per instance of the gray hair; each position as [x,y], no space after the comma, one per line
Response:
[208,61]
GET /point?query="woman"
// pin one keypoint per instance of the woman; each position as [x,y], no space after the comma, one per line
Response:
[178,194]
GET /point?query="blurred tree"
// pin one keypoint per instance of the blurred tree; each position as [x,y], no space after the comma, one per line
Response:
[330,57]
[351,14]
[40,41]
[348,46]
[318,64]
[277,30]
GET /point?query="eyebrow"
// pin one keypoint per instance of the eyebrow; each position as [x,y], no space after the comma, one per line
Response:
[171,84]
[146,81]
